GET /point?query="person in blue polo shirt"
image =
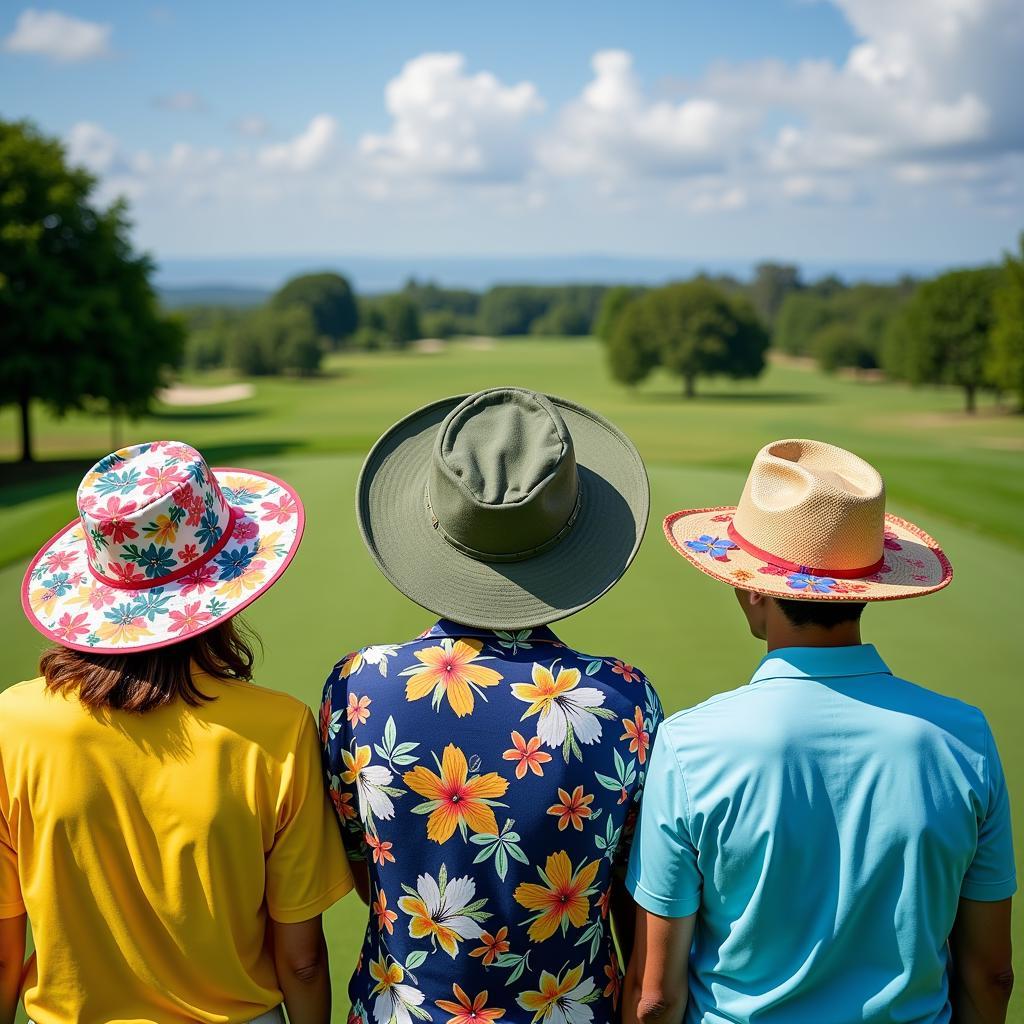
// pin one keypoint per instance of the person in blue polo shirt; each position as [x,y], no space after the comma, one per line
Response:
[830,842]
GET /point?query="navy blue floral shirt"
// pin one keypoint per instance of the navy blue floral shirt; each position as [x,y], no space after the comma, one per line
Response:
[490,780]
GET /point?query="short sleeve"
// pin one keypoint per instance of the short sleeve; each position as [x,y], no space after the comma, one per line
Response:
[992,874]
[11,903]
[307,870]
[335,736]
[663,875]
[653,715]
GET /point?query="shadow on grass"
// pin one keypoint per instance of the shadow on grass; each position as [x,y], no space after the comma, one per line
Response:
[21,482]
[747,397]
[187,413]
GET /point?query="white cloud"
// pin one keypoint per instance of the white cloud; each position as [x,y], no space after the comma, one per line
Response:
[91,146]
[927,80]
[725,200]
[252,126]
[180,102]
[60,37]
[448,124]
[612,130]
[307,150]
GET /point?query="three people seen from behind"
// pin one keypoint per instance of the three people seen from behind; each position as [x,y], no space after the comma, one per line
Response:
[827,843]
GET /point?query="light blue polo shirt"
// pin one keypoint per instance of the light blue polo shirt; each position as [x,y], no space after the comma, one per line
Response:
[822,822]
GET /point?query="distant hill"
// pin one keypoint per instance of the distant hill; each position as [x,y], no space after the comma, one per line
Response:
[256,275]
[237,296]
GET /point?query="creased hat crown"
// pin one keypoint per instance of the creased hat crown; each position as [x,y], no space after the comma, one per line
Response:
[814,505]
[503,483]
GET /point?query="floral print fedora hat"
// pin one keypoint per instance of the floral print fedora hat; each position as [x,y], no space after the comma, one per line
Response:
[811,525]
[163,548]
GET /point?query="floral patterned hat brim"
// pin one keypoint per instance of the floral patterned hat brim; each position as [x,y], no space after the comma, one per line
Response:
[69,605]
[914,565]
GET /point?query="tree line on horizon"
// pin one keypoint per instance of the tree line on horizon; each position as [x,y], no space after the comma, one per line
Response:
[81,326]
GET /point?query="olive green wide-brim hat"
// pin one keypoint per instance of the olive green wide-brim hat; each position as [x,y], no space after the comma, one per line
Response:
[506,509]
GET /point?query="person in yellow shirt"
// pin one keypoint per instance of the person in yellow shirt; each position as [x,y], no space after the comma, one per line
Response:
[163,823]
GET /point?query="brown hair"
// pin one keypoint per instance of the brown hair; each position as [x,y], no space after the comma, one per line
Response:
[150,679]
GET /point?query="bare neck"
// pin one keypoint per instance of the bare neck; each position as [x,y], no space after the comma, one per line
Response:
[782,633]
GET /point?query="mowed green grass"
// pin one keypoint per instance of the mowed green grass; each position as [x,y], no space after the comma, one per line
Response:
[961,480]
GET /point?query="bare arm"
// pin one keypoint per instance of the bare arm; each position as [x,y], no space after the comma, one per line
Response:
[12,963]
[981,968]
[656,981]
[300,955]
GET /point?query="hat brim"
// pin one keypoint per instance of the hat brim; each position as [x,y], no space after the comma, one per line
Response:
[399,534]
[914,565]
[71,607]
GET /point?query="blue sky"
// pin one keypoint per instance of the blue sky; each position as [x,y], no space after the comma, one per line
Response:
[824,131]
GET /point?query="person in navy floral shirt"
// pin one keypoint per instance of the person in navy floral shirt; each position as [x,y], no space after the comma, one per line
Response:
[486,775]
[487,784]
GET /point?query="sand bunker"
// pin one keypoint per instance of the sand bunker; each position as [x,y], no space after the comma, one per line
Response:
[180,394]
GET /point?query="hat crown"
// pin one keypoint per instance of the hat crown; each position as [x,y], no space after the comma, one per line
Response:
[813,504]
[149,510]
[503,482]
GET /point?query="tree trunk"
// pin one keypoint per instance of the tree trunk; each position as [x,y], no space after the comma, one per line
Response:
[24,400]
[970,404]
[690,385]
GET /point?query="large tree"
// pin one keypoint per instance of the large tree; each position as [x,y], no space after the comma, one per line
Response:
[693,330]
[274,340]
[329,299]
[944,332]
[1006,358]
[78,318]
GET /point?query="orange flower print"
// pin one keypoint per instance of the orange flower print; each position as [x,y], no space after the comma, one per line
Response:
[466,1011]
[639,738]
[381,849]
[614,986]
[385,918]
[492,946]
[562,900]
[455,799]
[604,902]
[325,719]
[358,710]
[342,803]
[572,809]
[628,673]
[528,754]
[452,670]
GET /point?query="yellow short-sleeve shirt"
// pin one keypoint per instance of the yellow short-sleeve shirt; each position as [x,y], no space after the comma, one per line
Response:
[150,850]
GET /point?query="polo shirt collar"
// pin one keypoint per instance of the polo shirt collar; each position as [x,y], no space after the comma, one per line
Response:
[821,663]
[539,634]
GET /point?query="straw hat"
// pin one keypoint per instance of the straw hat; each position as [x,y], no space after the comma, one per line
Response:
[506,509]
[811,525]
[164,548]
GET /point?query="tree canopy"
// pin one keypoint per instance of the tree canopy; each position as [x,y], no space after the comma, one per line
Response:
[78,318]
[329,299]
[942,336]
[274,340]
[693,330]
[1006,357]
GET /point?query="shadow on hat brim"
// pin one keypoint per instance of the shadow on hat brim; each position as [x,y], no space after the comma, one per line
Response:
[914,565]
[399,534]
